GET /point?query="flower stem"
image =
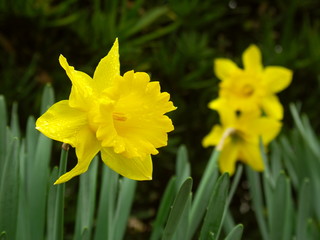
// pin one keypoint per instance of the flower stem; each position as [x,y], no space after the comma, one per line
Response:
[226,133]
[59,204]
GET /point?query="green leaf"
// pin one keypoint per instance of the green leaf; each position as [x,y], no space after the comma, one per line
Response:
[304,210]
[183,166]
[281,210]
[203,193]
[86,201]
[3,132]
[52,196]
[37,168]
[107,203]
[236,233]
[257,201]
[47,98]
[59,202]
[164,209]
[127,189]
[216,209]
[145,21]
[9,190]
[178,207]
[181,232]
[14,125]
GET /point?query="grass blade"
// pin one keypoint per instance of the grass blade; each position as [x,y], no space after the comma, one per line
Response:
[86,202]
[9,191]
[177,209]
[59,202]
[202,196]
[107,201]
[236,233]
[216,208]
[164,209]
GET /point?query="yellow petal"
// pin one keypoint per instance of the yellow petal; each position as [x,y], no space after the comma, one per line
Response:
[250,154]
[62,123]
[267,128]
[133,168]
[228,157]
[251,59]
[277,78]
[224,68]
[107,69]
[87,146]
[272,107]
[213,137]
[82,86]
[225,110]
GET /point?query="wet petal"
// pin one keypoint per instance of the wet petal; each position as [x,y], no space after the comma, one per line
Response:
[224,68]
[251,59]
[87,146]
[133,168]
[62,123]
[82,86]
[272,107]
[277,78]
[107,69]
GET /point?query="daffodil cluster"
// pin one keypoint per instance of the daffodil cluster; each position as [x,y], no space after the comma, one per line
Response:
[120,116]
[248,108]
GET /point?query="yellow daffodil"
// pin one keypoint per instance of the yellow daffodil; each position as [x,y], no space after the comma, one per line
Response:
[253,87]
[121,116]
[238,137]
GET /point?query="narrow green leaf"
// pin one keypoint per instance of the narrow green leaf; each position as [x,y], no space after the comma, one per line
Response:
[280,211]
[14,125]
[59,202]
[177,209]
[52,196]
[23,226]
[304,210]
[146,20]
[107,203]
[126,195]
[86,201]
[3,130]
[257,201]
[236,233]
[9,190]
[183,166]
[37,172]
[47,98]
[202,196]
[181,232]
[228,223]
[164,209]
[216,208]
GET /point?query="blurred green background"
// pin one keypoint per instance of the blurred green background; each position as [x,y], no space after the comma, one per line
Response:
[175,41]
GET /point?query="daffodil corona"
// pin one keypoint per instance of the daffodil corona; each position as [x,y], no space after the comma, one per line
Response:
[238,137]
[252,88]
[121,116]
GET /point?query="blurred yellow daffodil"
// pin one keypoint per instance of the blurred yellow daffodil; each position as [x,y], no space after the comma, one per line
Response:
[121,116]
[238,137]
[253,87]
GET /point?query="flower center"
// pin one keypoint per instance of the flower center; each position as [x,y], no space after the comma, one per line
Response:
[247,90]
[118,116]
